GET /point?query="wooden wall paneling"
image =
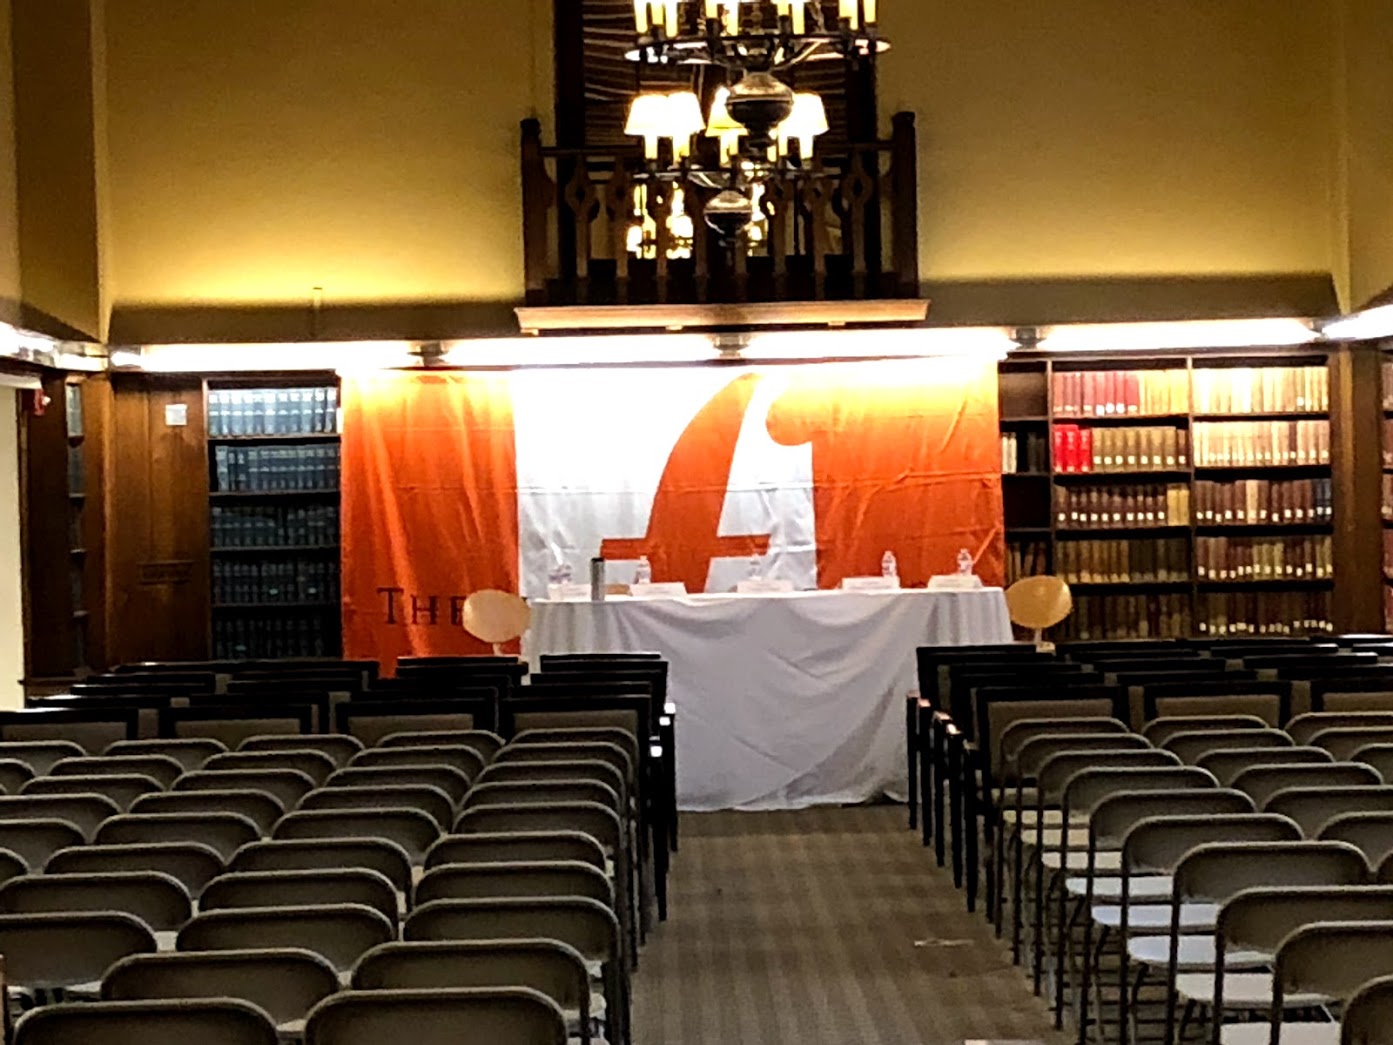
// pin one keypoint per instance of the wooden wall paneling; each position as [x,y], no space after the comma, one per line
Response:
[158,549]
[98,436]
[48,608]
[1356,439]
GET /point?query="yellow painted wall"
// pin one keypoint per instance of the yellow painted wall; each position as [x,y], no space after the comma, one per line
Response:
[9,215]
[1092,137]
[262,149]
[1368,149]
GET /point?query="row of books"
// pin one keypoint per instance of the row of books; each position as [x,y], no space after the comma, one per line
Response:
[72,406]
[1123,561]
[1127,617]
[272,411]
[1388,443]
[1024,452]
[1028,558]
[276,636]
[1261,443]
[265,469]
[242,582]
[1235,614]
[1082,449]
[1259,502]
[1111,507]
[272,526]
[1262,390]
[77,470]
[1264,558]
[1115,393]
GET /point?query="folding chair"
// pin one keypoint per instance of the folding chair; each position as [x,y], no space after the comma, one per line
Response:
[411,829]
[219,1021]
[491,880]
[376,854]
[35,840]
[12,865]
[191,864]
[284,982]
[429,799]
[487,744]
[339,933]
[1314,808]
[1227,764]
[513,846]
[438,1017]
[122,790]
[1368,1016]
[224,833]
[577,733]
[1267,701]
[161,768]
[523,792]
[551,967]
[190,752]
[542,772]
[1328,959]
[448,779]
[40,755]
[86,812]
[60,952]
[314,764]
[1379,756]
[338,746]
[286,786]
[158,900]
[1343,741]
[463,757]
[1191,747]
[1264,781]
[586,925]
[307,888]
[1369,832]
[14,774]
[1161,729]
[257,806]
[1304,727]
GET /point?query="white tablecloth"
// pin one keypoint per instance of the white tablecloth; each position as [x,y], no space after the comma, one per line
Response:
[784,701]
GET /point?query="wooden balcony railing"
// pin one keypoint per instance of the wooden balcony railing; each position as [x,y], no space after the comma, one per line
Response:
[845,230]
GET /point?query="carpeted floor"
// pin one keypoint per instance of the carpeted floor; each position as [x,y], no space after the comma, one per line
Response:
[823,927]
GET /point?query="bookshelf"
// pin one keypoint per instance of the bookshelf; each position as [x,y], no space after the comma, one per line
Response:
[75,428]
[1178,493]
[273,480]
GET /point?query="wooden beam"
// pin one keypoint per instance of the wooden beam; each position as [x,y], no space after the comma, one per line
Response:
[578,318]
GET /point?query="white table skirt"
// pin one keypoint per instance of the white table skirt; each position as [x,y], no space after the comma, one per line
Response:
[784,701]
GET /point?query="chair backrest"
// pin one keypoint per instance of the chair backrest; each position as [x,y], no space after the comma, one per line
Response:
[566,752]
[1217,871]
[1038,750]
[1115,815]
[224,833]
[315,888]
[219,1021]
[1333,959]
[1056,772]
[338,746]
[158,767]
[486,743]
[1087,787]
[1226,765]
[1368,1016]
[233,723]
[1266,704]
[14,774]
[1021,730]
[600,822]
[579,727]
[994,710]
[376,854]
[448,779]
[555,969]
[1194,745]
[257,806]
[1313,808]
[40,755]
[123,789]
[1370,832]
[372,720]
[61,950]
[12,865]
[1343,741]
[191,864]
[85,812]
[516,846]
[1303,727]
[411,829]
[548,878]
[534,791]
[90,727]
[287,786]
[1379,756]
[438,1017]
[1349,694]
[339,933]
[1155,845]
[1264,781]
[190,752]
[35,840]
[1159,730]
[587,925]
[158,900]
[314,764]
[430,800]
[512,772]
[1260,919]
[285,982]
[465,758]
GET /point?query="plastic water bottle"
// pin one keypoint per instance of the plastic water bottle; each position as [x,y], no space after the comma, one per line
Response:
[965,562]
[563,571]
[643,572]
[888,566]
[756,568]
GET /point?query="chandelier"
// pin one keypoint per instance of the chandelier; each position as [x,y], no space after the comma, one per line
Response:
[763,128]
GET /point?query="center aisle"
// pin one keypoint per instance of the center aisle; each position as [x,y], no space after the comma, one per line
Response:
[821,926]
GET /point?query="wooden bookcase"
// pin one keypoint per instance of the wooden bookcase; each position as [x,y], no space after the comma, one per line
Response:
[273,481]
[1207,504]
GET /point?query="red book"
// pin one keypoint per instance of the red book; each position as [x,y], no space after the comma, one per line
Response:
[1071,448]
[1059,447]
[1085,450]
[1132,392]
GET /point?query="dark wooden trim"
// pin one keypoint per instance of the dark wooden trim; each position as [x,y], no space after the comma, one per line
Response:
[569,54]
[48,632]
[904,202]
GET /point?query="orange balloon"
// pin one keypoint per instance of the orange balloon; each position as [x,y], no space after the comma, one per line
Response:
[496,616]
[1039,602]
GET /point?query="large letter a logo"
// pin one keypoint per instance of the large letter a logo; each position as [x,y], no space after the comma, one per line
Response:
[684,528]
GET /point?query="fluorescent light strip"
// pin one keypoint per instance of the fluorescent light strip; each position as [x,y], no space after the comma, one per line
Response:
[1371,325]
[345,356]
[613,350]
[1184,334]
[983,342]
